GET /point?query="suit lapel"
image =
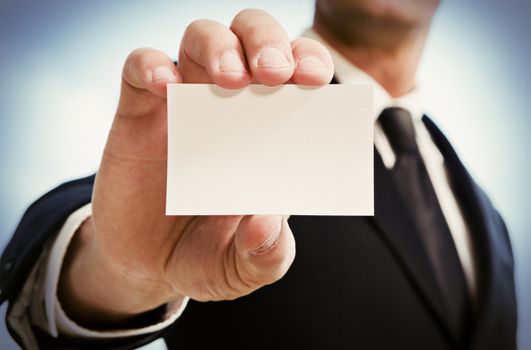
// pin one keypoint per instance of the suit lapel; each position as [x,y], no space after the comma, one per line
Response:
[484,229]
[398,230]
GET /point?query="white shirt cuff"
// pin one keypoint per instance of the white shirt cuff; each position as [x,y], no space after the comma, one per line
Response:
[58,321]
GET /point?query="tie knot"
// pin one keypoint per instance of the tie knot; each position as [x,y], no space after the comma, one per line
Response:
[399,129]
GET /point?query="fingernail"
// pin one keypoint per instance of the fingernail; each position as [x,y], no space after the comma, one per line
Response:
[163,74]
[231,62]
[270,241]
[311,63]
[272,57]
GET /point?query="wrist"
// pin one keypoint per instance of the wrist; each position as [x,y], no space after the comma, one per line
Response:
[96,295]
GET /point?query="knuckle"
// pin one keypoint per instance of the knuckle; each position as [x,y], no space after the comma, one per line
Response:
[202,38]
[243,14]
[249,21]
[193,26]
[136,62]
[197,25]
[136,57]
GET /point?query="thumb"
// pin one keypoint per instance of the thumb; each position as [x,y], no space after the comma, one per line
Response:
[265,249]
[145,75]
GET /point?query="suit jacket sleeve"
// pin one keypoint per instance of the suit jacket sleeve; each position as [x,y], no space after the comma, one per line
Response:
[39,226]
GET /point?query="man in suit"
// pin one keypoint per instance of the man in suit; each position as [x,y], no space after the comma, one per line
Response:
[95,263]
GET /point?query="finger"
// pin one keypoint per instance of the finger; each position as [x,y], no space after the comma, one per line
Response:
[211,52]
[266,46]
[313,63]
[265,249]
[145,75]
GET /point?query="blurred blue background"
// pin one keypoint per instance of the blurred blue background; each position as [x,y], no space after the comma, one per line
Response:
[60,64]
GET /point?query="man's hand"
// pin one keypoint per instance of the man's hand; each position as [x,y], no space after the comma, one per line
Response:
[129,257]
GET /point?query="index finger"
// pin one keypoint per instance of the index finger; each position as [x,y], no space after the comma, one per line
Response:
[266,45]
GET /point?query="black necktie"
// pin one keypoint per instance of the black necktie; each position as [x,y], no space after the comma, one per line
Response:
[413,183]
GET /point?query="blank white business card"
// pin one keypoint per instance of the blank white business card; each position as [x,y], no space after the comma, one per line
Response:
[286,150]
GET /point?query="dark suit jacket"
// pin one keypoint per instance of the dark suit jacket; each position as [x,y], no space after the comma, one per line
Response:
[356,283]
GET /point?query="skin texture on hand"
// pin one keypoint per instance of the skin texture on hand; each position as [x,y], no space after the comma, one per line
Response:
[129,257]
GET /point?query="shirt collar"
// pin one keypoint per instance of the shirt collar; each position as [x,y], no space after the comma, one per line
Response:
[347,73]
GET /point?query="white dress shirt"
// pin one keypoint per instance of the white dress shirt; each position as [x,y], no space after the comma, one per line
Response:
[346,73]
